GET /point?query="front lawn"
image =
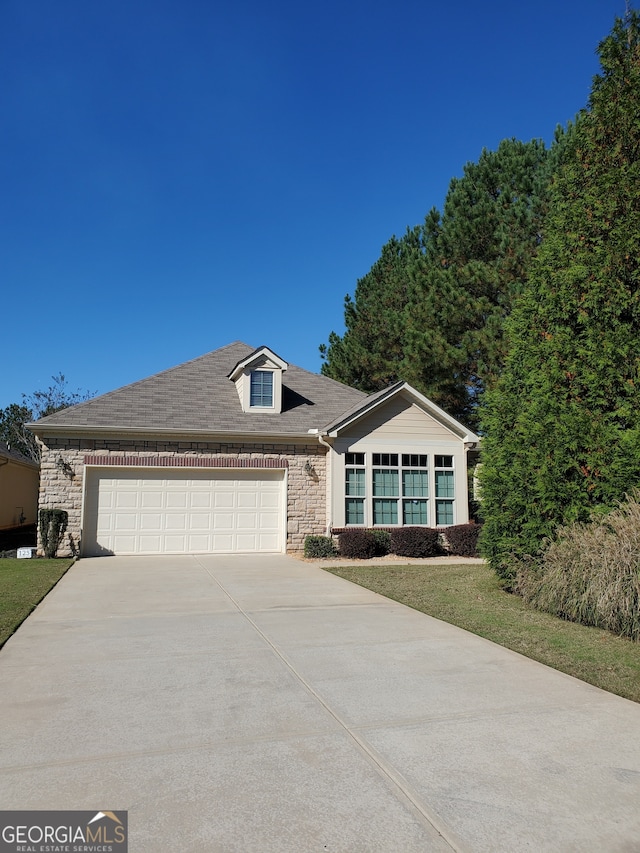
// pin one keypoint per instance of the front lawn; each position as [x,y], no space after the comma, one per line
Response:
[470,597]
[23,584]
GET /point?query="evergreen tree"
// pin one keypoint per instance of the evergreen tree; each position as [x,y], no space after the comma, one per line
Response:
[432,308]
[370,353]
[563,424]
[476,261]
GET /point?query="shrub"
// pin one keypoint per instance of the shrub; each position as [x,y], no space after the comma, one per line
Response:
[53,524]
[357,543]
[461,540]
[590,573]
[415,542]
[383,542]
[319,546]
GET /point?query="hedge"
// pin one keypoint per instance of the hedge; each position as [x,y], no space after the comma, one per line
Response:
[461,540]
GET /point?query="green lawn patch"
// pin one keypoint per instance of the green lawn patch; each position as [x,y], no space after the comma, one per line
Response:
[470,596]
[23,584]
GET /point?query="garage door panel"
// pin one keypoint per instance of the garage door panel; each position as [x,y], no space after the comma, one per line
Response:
[199,521]
[200,500]
[126,500]
[123,544]
[223,499]
[151,500]
[222,543]
[142,512]
[124,521]
[199,543]
[247,499]
[176,521]
[177,499]
[223,521]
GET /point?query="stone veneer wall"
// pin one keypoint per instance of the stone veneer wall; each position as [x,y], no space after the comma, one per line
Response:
[62,478]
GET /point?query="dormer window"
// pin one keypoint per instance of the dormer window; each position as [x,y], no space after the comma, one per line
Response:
[258,380]
[261,394]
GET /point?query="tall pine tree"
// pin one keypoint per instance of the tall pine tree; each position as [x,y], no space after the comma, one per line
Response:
[563,424]
[432,308]
[370,353]
[476,262]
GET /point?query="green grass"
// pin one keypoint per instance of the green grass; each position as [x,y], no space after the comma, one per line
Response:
[23,584]
[470,597]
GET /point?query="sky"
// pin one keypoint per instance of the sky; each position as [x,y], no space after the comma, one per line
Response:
[176,175]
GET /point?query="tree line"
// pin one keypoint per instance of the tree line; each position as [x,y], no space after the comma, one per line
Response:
[517,309]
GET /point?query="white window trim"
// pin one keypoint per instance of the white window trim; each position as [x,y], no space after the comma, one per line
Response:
[432,498]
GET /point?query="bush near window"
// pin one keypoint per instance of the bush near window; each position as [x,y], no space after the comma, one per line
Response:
[461,540]
[383,542]
[416,542]
[358,544]
[319,546]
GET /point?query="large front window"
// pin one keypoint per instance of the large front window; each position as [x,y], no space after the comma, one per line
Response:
[261,388]
[394,489]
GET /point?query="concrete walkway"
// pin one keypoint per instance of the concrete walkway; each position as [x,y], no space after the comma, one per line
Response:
[261,705]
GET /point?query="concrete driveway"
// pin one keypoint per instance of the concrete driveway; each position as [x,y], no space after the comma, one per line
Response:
[261,704]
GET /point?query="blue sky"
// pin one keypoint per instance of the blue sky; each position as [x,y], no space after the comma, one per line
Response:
[179,175]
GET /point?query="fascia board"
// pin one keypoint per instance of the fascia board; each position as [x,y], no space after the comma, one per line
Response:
[81,431]
[367,407]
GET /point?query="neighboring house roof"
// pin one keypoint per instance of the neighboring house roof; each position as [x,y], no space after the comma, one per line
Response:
[199,397]
[8,453]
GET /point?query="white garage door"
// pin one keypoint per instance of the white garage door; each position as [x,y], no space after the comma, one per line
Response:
[168,511]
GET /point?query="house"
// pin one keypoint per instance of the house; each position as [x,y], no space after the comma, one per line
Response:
[239,451]
[19,483]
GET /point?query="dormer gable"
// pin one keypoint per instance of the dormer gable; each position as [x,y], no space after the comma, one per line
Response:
[258,381]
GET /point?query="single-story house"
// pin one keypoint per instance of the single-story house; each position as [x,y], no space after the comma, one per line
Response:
[19,483]
[239,451]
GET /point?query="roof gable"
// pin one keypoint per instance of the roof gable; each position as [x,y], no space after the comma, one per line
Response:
[261,357]
[376,403]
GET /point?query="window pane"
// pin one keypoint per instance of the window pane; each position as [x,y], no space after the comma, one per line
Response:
[354,511]
[415,484]
[444,484]
[385,512]
[444,512]
[354,458]
[261,388]
[444,461]
[415,512]
[385,483]
[390,459]
[415,460]
[355,480]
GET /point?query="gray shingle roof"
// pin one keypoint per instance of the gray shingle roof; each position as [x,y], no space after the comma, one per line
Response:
[198,396]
